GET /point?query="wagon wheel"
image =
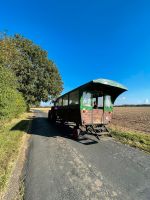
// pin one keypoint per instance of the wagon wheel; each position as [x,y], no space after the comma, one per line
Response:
[89,129]
[51,118]
[76,133]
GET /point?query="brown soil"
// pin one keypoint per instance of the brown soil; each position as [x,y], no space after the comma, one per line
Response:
[133,118]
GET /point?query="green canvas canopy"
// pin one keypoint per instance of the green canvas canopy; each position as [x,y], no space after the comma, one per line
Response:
[110,87]
[109,83]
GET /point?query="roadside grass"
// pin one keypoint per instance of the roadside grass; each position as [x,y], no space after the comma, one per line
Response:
[132,138]
[11,135]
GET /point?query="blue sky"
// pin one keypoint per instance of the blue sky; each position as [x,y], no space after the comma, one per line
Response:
[89,39]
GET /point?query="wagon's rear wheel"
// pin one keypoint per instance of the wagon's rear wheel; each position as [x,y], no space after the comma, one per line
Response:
[76,133]
[51,117]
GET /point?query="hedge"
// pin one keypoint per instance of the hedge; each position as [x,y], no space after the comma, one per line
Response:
[11,101]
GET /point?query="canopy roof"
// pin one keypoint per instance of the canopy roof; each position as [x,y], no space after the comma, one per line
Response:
[110,86]
[110,83]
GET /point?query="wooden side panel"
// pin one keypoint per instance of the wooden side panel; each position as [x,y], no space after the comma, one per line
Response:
[94,116]
[86,116]
[97,116]
[107,117]
[74,115]
[71,114]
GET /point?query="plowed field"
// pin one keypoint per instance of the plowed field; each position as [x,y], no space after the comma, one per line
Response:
[132,118]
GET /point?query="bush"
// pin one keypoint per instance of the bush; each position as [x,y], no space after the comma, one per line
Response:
[11,101]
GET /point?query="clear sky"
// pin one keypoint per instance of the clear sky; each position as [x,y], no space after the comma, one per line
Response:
[89,39]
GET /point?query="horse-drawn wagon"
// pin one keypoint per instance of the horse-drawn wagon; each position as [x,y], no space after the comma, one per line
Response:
[89,106]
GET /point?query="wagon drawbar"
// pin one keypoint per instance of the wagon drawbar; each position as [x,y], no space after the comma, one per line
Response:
[89,106]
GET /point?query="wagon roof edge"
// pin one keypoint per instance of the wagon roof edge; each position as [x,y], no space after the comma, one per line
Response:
[101,81]
[109,82]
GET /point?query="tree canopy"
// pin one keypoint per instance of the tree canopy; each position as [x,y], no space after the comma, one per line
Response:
[38,77]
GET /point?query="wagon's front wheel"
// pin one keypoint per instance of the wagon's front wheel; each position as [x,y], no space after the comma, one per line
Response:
[76,133]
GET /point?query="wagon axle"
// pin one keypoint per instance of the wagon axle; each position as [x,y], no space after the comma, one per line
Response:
[95,130]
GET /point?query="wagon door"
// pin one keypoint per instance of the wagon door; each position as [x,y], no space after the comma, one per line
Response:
[97,108]
[92,108]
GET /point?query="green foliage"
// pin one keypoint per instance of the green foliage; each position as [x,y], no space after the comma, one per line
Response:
[38,77]
[11,101]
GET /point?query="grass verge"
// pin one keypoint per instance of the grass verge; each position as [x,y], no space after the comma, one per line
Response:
[20,194]
[134,139]
[11,135]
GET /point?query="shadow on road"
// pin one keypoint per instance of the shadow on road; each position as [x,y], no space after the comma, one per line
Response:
[42,127]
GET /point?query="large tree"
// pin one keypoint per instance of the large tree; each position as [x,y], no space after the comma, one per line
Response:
[38,77]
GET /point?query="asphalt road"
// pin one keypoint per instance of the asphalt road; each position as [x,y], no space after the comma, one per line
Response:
[59,168]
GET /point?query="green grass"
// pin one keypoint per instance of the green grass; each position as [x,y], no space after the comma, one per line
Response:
[10,142]
[135,139]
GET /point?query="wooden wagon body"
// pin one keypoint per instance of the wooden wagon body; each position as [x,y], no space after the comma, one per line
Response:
[90,105]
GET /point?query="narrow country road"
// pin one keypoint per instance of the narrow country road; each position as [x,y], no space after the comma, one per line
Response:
[59,168]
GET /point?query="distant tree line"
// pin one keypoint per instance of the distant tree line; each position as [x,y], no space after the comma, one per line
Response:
[133,105]
[27,76]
